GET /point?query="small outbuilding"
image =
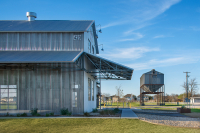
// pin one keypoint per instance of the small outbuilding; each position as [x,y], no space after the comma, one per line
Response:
[194,100]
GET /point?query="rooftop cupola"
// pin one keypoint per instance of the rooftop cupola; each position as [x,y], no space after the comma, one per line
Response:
[31,16]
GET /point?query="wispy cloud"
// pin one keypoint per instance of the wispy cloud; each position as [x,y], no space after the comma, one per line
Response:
[113,24]
[159,36]
[195,28]
[135,36]
[130,53]
[147,11]
[155,63]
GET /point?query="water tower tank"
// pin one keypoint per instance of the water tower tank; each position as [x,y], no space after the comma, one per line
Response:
[151,81]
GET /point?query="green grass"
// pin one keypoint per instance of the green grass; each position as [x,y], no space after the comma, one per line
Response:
[195,110]
[160,108]
[85,125]
[155,108]
[10,106]
[137,104]
[120,104]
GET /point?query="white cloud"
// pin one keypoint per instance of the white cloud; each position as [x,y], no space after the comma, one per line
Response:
[148,10]
[195,28]
[159,36]
[154,63]
[136,36]
[130,53]
[113,24]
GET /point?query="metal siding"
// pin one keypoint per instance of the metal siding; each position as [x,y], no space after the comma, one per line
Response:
[151,83]
[40,41]
[41,88]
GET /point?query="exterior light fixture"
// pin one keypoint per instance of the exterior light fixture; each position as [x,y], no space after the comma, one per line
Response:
[102,47]
[99,29]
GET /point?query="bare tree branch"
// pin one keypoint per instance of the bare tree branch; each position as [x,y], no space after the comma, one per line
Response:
[193,86]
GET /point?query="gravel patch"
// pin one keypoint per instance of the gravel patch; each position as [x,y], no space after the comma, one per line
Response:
[171,121]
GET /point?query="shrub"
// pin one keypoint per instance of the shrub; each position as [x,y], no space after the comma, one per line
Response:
[64,111]
[47,115]
[94,110]
[69,113]
[38,114]
[51,114]
[107,112]
[86,114]
[116,110]
[24,114]
[7,114]
[183,107]
[34,111]
[18,115]
[102,112]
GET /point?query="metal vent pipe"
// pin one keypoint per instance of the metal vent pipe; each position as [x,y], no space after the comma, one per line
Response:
[31,16]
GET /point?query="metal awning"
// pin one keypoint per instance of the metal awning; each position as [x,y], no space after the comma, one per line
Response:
[106,69]
[38,56]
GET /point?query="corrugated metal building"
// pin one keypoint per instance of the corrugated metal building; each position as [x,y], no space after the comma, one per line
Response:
[52,64]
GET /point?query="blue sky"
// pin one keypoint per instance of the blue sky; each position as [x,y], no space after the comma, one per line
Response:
[142,34]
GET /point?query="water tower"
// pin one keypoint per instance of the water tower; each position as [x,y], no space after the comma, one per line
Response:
[152,83]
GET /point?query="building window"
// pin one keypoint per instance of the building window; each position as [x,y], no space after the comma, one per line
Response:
[8,96]
[92,50]
[89,46]
[92,90]
[74,99]
[89,89]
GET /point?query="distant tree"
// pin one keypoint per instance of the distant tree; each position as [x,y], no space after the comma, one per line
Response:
[182,96]
[119,92]
[193,86]
[106,94]
[174,97]
[150,97]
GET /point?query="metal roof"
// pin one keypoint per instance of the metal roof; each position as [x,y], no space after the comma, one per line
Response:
[109,69]
[38,56]
[45,25]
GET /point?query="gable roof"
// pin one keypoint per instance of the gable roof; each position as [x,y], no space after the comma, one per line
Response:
[49,26]
[45,25]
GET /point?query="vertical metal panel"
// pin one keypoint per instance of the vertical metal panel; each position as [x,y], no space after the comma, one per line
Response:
[41,41]
[45,89]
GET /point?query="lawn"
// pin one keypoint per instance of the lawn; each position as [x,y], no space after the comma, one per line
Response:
[160,108]
[157,108]
[85,125]
[137,104]
[195,110]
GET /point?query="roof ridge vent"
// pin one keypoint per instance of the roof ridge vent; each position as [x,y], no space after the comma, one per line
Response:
[31,16]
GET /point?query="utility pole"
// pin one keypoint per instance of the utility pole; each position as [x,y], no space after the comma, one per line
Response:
[187,83]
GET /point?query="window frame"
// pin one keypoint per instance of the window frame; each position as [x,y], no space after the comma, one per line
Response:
[92,90]
[89,89]
[89,46]
[8,101]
